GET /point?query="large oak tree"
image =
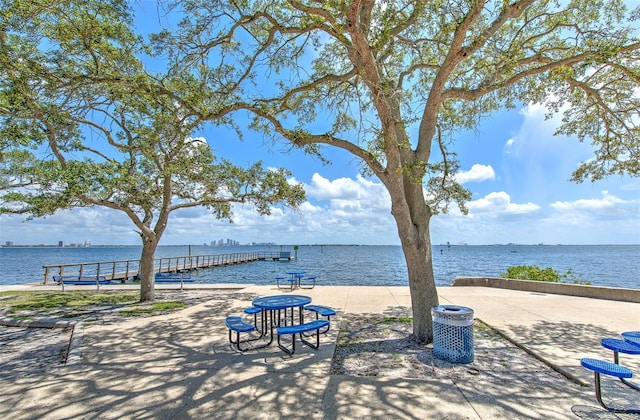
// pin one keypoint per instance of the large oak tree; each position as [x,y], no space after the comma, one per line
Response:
[83,123]
[393,82]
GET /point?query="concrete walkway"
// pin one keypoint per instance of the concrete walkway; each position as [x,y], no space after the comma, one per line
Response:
[180,365]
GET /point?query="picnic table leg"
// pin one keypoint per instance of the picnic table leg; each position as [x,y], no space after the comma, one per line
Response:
[291,350]
[270,320]
[616,360]
[608,407]
[310,344]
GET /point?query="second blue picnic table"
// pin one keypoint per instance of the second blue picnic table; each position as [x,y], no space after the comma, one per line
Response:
[296,276]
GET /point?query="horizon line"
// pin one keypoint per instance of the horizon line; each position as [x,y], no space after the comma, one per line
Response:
[73,245]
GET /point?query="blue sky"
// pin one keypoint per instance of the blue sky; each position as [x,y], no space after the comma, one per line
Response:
[516,169]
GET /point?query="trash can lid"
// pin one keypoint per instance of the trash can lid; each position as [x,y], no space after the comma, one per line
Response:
[452,310]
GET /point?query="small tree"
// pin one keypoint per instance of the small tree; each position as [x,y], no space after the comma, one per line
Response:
[83,124]
[392,82]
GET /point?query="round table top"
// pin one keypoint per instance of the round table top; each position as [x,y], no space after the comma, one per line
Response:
[633,340]
[281,301]
[296,272]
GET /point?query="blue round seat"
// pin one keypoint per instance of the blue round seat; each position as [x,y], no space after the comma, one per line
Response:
[620,346]
[254,310]
[635,334]
[606,368]
[632,337]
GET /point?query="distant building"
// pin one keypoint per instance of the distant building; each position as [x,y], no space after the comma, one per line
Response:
[9,243]
[60,243]
[225,242]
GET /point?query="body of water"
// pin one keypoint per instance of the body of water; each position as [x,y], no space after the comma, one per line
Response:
[602,265]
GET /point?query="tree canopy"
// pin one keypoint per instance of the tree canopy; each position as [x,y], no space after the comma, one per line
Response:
[83,123]
[394,82]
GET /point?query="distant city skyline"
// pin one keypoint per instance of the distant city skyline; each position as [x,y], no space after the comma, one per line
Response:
[87,243]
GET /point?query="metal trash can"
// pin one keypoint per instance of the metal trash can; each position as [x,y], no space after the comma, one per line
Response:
[453,333]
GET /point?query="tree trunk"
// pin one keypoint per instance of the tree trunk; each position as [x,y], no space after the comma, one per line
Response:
[413,216]
[424,294]
[147,271]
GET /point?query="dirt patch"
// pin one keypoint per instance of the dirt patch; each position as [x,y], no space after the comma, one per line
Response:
[381,346]
[25,349]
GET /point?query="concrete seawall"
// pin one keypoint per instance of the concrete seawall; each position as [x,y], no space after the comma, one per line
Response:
[610,293]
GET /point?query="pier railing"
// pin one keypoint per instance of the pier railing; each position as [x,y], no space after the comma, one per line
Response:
[124,270]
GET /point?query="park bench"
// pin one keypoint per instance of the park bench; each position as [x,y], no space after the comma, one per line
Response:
[308,282]
[292,282]
[322,311]
[173,277]
[177,277]
[253,310]
[81,280]
[76,280]
[300,329]
[238,325]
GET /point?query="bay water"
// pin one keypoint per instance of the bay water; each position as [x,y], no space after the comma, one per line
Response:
[601,265]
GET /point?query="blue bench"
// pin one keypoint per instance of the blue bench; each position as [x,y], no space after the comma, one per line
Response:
[322,311]
[253,310]
[177,277]
[293,282]
[631,334]
[173,278]
[236,324]
[308,279]
[632,337]
[81,280]
[611,369]
[300,329]
[620,346]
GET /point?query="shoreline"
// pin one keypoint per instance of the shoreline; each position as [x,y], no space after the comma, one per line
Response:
[586,291]
[606,266]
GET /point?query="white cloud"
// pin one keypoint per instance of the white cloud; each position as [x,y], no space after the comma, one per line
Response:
[499,203]
[477,173]
[495,219]
[606,208]
[353,211]
[509,145]
[588,204]
[346,193]
[71,226]
[342,210]
[341,188]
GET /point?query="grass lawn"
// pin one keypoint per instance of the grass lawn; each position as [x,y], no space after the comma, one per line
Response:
[75,303]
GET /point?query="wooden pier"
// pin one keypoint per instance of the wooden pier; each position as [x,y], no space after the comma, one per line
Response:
[128,269]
